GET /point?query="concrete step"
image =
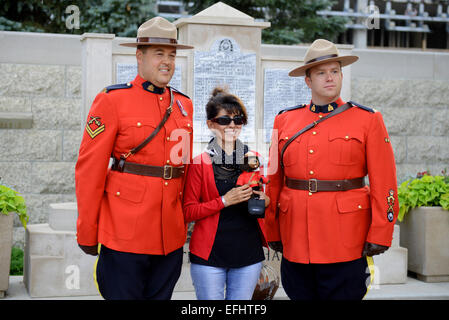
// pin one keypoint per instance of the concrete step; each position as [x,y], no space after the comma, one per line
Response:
[413,289]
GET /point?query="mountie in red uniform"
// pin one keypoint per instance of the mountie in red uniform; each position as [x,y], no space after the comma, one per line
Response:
[124,211]
[132,206]
[323,216]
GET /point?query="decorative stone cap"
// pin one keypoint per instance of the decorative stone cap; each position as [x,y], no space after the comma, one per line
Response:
[222,14]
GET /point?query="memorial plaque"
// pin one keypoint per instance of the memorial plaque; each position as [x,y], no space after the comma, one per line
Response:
[280,92]
[224,65]
[126,72]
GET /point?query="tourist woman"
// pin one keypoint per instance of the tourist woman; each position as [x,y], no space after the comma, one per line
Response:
[226,247]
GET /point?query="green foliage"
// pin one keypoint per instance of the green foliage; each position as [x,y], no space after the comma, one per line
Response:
[16,268]
[426,190]
[120,17]
[292,21]
[300,18]
[10,201]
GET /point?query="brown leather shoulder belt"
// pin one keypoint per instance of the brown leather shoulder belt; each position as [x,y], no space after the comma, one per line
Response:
[166,172]
[314,185]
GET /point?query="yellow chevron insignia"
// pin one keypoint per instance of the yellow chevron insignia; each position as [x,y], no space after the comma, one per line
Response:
[94,127]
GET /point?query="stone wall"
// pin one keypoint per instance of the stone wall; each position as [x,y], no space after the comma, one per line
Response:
[41,76]
[39,161]
[411,90]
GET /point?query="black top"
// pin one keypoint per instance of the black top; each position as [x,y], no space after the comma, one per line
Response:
[238,241]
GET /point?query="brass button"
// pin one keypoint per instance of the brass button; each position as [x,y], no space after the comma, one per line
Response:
[139,124]
[286,138]
[310,193]
[346,137]
[168,161]
[188,125]
[320,116]
[160,98]
[168,138]
[360,206]
[311,172]
[118,194]
[310,151]
[166,183]
[314,132]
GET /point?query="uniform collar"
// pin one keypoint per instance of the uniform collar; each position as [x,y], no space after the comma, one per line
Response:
[327,107]
[148,86]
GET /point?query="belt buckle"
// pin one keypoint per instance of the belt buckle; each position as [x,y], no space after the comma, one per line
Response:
[311,189]
[170,175]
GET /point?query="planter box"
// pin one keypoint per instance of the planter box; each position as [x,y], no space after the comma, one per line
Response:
[425,233]
[6,227]
[54,265]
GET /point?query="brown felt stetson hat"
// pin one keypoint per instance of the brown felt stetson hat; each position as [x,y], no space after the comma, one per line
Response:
[321,51]
[157,31]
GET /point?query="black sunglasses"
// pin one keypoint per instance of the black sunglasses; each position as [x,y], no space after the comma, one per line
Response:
[225,120]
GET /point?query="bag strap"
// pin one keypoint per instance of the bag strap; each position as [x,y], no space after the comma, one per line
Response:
[124,156]
[339,110]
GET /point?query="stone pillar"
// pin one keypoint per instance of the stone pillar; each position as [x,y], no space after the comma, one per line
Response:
[360,34]
[96,51]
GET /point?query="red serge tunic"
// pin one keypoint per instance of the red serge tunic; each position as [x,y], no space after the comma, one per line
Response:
[330,227]
[202,204]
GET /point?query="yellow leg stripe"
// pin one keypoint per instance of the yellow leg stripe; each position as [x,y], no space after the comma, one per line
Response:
[371,271]
[95,269]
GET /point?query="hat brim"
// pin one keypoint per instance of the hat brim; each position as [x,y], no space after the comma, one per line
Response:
[344,60]
[135,44]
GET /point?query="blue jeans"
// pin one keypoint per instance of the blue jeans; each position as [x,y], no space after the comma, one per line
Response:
[210,282]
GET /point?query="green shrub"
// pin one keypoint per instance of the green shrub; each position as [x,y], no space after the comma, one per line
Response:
[16,262]
[423,191]
[10,201]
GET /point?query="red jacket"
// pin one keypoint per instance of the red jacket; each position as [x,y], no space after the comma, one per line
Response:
[202,204]
[329,227]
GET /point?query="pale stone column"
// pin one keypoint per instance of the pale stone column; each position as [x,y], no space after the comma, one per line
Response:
[360,35]
[96,51]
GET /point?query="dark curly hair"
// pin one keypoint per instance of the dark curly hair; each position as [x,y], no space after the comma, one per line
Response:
[222,99]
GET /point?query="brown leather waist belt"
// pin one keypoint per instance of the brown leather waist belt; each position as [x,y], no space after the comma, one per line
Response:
[166,172]
[314,185]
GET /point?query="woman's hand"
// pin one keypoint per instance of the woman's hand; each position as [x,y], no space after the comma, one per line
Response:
[262,195]
[237,195]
